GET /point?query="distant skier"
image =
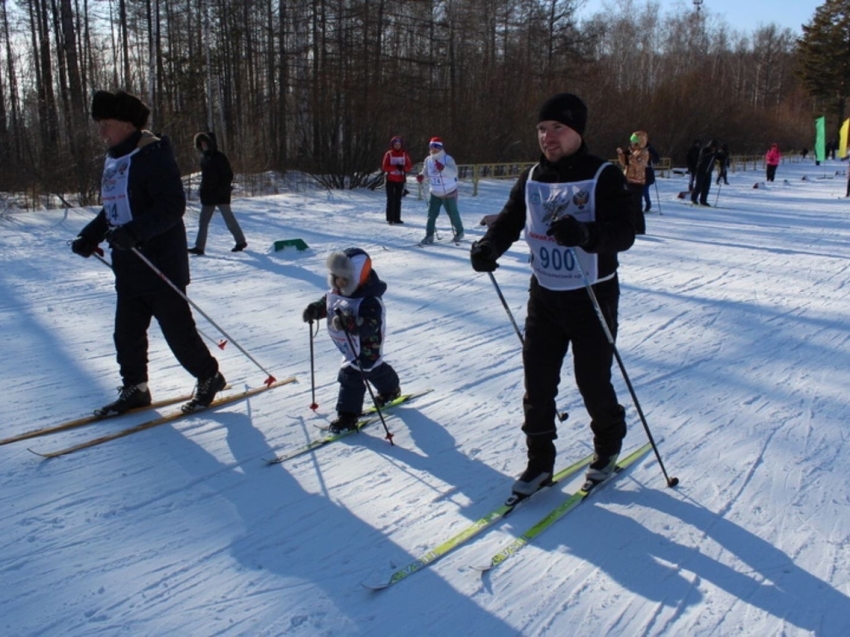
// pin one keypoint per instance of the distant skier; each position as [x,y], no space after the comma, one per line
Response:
[772,160]
[356,293]
[704,171]
[396,164]
[634,162]
[440,169]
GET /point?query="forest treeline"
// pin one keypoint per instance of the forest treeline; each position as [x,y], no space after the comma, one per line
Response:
[321,85]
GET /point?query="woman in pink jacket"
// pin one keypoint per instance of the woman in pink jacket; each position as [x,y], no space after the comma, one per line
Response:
[772,159]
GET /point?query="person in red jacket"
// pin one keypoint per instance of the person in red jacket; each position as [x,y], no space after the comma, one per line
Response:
[772,159]
[396,165]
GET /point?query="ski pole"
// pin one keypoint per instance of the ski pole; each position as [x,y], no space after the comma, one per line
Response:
[313,405]
[719,188]
[389,436]
[269,381]
[562,415]
[658,200]
[671,482]
[220,343]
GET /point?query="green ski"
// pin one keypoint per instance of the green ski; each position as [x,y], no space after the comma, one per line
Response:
[472,530]
[568,505]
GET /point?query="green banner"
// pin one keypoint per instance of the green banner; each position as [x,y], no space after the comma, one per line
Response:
[820,138]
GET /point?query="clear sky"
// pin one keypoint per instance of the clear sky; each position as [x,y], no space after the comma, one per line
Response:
[744,15]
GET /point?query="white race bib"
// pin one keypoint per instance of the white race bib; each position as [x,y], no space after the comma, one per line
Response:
[554,265]
[113,189]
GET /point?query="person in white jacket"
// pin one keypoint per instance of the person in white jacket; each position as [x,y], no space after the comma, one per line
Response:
[440,170]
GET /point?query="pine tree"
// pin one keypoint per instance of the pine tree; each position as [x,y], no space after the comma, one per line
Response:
[824,55]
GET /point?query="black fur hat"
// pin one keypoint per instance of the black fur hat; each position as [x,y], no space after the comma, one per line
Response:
[121,106]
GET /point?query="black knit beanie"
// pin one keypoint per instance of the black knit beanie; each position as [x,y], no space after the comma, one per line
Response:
[567,109]
[121,106]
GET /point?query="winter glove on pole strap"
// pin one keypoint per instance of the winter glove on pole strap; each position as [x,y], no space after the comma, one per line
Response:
[439,165]
[570,232]
[83,246]
[483,257]
[346,322]
[420,178]
[314,311]
[122,237]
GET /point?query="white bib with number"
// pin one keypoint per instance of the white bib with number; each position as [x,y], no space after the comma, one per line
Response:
[113,189]
[554,265]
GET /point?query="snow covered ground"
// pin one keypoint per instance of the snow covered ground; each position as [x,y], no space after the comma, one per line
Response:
[734,332]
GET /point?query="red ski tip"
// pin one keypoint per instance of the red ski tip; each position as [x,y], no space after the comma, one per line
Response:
[271,380]
[222,343]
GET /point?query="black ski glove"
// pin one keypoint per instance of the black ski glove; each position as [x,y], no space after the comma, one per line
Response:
[83,246]
[483,257]
[314,311]
[570,232]
[122,238]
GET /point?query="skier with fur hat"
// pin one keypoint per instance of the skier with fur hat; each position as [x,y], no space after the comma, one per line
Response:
[356,316]
[216,180]
[143,206]
[396,164]
[440,169]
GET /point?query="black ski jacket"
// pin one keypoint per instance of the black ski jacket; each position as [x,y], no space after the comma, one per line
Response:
[157,203]
[613,226]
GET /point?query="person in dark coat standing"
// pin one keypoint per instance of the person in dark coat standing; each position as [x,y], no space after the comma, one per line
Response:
[216,180]
[692,160]
[143,206]
[571,204]
[723,160]
[704,171]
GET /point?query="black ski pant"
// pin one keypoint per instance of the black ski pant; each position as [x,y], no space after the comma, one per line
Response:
[638,219]
[554,321]
[133,315]
[703,185]
[771,172]
[395,189]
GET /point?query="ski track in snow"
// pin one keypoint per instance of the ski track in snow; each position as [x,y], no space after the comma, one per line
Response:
[732,330]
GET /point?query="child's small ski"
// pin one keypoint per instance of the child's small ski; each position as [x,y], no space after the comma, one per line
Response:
[368,417]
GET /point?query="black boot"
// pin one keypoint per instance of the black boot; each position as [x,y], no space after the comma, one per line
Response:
[607,442]
[541,466]
[345,422]
[130,397]
[205,393]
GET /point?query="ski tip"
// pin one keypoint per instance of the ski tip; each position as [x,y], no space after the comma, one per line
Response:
[374,587]
[39,454]
[481,568]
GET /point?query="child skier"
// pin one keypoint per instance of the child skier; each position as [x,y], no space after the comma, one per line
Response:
[356,318]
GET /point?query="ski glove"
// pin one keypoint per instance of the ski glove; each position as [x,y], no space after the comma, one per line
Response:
[314,311]
[83,246]
[569,231]
[122,238]
[483,257]
[420,178]
[346,322]
[439,165]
